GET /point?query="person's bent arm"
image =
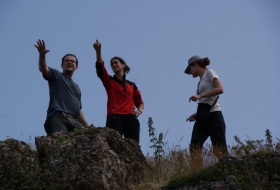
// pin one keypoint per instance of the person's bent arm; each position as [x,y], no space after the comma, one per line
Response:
[82,119]
[43,68]
[140,109]
[138,102]
[218,89]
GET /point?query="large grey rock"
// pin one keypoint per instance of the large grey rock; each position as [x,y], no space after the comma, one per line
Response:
[93,158]
[19,167]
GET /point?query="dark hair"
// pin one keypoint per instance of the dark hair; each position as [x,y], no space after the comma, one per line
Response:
[203,62]
[126,68]
[69,54]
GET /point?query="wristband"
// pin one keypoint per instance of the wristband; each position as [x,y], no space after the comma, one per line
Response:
[140,110]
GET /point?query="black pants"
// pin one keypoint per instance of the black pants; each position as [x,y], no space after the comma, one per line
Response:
[54,124]
[126,124]
[215,128]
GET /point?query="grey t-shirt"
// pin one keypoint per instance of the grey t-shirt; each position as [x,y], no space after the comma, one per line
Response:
[206,84]
[65,94]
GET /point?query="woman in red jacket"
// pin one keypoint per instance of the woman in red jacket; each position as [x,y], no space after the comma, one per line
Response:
[123,96]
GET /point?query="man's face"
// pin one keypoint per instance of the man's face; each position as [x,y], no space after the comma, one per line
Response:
[69,63]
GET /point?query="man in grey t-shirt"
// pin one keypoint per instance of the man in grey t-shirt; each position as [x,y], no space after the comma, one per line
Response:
[65,94]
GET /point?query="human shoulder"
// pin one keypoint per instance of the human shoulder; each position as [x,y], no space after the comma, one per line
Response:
[51,74]
[55,71]
[212,71]
[52,69]
[75,83]
[211,75]
[131,83]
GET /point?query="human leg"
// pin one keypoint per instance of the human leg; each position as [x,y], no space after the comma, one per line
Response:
[199,136]
[131,127]
[54,124]
[217,130]
[114,121]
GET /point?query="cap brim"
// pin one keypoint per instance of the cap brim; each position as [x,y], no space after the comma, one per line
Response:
[188,70]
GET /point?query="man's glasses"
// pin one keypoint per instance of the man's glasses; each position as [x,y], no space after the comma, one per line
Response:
[69,60]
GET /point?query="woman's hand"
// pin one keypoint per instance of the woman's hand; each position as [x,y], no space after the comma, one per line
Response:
[192,117]
[97,46]
[194,98]
[136,112]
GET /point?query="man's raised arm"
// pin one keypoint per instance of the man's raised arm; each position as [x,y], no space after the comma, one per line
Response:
[42,57]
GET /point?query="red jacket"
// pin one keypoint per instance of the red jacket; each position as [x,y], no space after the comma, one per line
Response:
[123,96]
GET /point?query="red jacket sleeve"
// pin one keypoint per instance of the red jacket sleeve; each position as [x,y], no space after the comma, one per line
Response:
[102,73]
[137,96]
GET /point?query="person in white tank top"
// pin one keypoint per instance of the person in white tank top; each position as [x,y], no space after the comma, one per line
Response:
[209,87]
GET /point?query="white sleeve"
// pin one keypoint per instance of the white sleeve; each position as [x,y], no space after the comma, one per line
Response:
[211,75]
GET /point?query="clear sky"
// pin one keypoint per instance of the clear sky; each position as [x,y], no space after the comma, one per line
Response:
[156,39]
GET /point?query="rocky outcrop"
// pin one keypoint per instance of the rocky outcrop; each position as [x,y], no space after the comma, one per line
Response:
[261,169]
[230,183]
[95,158]
[92,158]
[19,166]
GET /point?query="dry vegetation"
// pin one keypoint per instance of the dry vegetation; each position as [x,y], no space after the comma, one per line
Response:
[171,166]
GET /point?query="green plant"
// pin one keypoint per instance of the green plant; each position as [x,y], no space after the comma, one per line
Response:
[157,142]
[268,140]
[253,146]
[240,147]
[255,166]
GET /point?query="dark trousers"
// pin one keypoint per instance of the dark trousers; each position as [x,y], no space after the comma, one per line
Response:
[126,124]
[215,128]
[54,124]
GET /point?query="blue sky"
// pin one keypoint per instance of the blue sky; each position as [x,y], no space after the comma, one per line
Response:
[155,38]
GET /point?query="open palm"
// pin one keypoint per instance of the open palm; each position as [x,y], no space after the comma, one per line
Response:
[41,47]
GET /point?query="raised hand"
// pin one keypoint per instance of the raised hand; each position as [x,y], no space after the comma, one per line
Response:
[41,47]
[97,46]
